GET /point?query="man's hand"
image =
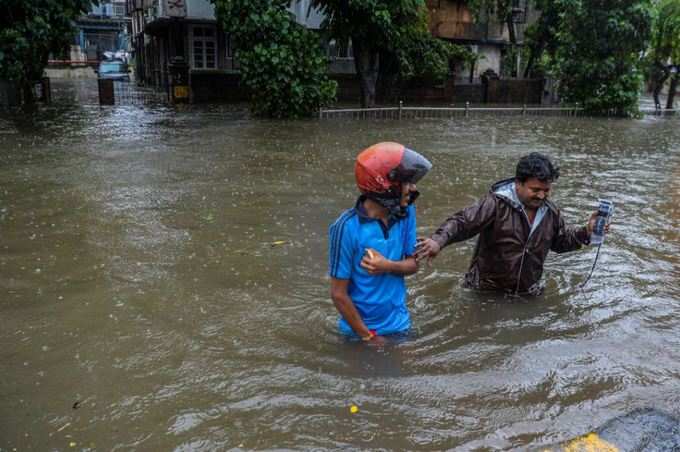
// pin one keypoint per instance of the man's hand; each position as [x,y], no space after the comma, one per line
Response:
[426,248]
[591,224]
[374,262]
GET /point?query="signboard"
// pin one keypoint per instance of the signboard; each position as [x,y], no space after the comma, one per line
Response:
[181,92]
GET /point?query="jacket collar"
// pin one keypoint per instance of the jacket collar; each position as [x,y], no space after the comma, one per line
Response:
[505,189]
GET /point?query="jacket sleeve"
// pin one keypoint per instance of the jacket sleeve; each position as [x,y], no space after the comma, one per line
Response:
[569,238]
[466,223]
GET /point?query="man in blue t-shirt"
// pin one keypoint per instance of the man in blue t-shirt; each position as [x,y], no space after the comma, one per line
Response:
[372,246]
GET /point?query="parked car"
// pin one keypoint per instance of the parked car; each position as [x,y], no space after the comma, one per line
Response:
[114,69]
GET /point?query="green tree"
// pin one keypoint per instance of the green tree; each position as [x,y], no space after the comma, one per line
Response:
[281,62]
[541,37]
[664,55]
[381,29]
[415,54]
[29,31]
[594,48]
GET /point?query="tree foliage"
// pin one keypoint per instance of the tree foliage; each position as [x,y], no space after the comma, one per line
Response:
[373,26]
[663,58]
[665,42]
[420,55]
[390,39]
[29,31]
[281,62]
[593,48]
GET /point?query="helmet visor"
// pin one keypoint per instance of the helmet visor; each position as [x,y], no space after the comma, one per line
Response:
[411,168]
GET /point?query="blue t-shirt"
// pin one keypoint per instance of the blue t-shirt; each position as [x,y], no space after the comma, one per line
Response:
[380,299]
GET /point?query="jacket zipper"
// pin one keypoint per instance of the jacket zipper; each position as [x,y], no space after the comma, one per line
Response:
[524,252]
[521,264]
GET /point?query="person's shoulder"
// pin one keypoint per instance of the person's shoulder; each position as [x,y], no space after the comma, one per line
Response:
[348,217]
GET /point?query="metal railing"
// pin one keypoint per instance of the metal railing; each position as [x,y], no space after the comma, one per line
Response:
[128,93]
[115,92]
[402,112]
[659,111]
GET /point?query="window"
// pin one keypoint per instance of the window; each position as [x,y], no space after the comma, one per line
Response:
[204,48]
[119,9]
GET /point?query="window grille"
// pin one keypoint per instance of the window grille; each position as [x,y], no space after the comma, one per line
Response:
[204,48]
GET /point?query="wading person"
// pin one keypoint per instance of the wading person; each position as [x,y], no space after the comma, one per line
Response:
[517,225]
[372,245]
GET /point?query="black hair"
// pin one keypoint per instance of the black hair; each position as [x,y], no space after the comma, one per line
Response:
[536,165]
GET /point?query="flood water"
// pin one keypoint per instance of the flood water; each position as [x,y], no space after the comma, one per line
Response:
[163,285]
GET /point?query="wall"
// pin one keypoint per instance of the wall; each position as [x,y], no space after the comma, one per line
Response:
[216,87]
[491,59]
[452,19]
[514,91]
[71,72]
[200,9]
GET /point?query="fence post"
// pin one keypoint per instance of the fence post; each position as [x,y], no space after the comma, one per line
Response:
[46,89]
[401,105]
[524,109]
[320,113]
[106,94]
[467,108]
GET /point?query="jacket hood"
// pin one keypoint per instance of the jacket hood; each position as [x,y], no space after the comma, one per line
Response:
[505,189]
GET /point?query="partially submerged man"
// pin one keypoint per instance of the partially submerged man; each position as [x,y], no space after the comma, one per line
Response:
[372,246]
[517,226]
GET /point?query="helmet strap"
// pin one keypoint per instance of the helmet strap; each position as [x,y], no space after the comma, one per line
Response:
[392,202]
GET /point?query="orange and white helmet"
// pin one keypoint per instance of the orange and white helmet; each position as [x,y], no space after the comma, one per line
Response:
[383,167]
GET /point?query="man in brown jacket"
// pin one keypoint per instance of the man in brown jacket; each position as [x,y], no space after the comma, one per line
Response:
[517,227]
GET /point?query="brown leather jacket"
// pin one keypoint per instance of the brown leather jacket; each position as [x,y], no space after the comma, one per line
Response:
[509,256]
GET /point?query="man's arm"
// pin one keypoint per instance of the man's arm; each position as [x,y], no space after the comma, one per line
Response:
[572,238]
[343,303]
[462,225]
[376,264]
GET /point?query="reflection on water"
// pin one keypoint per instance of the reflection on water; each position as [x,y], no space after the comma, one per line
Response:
[142,284]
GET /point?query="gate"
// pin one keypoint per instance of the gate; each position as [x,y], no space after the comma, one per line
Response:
[118,92]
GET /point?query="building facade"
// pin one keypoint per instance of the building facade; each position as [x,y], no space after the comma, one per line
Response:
[453,20]
[167,33]
[103,30]
[170,32]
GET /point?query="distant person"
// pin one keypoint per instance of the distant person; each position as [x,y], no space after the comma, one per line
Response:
[372,245]
[517,225]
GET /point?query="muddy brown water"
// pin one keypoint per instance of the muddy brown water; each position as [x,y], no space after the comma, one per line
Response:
[144,303]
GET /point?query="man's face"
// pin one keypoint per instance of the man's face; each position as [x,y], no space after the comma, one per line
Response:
[532,192]
[406,189]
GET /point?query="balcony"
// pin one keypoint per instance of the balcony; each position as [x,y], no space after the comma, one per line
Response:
[470,31]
